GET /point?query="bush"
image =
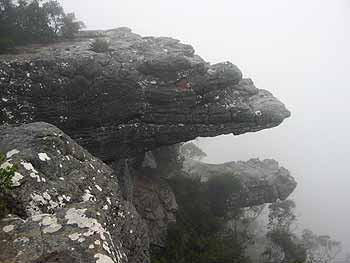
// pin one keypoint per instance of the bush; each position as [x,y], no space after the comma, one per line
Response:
[100,45]
[23,22]
[6,44]
[6,175]
[197,236]
[71,26]
[220,188]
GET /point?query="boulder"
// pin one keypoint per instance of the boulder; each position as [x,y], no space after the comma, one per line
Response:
[66,205]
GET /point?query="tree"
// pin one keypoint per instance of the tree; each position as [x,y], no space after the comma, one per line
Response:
[320,249]
[71,26]
[281,215]
[199,235]
[23,22]
[55,15]
[7,24]
[285,246]
[192,151]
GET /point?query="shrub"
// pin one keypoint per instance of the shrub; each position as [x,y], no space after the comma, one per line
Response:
[197,235]
[6,174]
[100,45]
[71,26]
[6,44]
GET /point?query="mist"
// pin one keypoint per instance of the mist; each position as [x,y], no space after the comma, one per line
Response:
[296,49]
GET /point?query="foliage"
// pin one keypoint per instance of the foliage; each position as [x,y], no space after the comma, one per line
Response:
[293,250]
[71,26]
[281,215]
[192,151]
[285,246]
[199,235]
[219,189]
[320,249]
[100,45]
[23,22]
[6,174]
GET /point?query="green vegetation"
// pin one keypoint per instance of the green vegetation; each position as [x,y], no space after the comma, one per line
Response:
[192,151]
[199,235]
[100,45]
[23,22]
[281,218]
[6,175]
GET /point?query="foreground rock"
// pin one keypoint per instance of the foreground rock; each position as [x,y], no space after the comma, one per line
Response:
[261,181]
[145,92]
[66,204]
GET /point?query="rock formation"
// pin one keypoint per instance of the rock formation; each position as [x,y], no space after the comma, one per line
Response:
[261,181]
[66,204]
[144,93]
[122,106]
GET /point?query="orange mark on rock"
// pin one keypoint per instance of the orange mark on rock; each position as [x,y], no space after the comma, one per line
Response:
[183,85]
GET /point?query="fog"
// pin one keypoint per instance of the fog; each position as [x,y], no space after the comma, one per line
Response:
[299,50]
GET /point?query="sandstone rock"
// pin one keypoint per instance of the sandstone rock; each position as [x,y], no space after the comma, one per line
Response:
[156,203]
[68,203]
[262,181]
[145,93]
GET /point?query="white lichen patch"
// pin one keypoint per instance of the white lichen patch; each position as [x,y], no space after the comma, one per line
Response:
[33,173]
[36,218]
[88,196]
[44,157]
[8,228]
[74,236]
[16,179]
[258,113]
[100,258]
[51,225]
[11,153]
[97,242]
[46,196]
[6,165]
[77,217]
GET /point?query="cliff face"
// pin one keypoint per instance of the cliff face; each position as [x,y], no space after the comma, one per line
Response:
[122,106]
[144,93]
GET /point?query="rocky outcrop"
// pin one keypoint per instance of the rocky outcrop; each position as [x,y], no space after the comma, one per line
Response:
[261,181]
[145,92]
[66,204]
[142,182]
[125,106]
[156,203]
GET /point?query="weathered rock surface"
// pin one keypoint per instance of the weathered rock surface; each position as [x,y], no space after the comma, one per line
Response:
[142,181]
[261,181]
[67,204]
[156,203]
[144,93]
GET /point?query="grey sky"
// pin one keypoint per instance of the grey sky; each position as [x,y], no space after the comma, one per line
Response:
[297,49]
